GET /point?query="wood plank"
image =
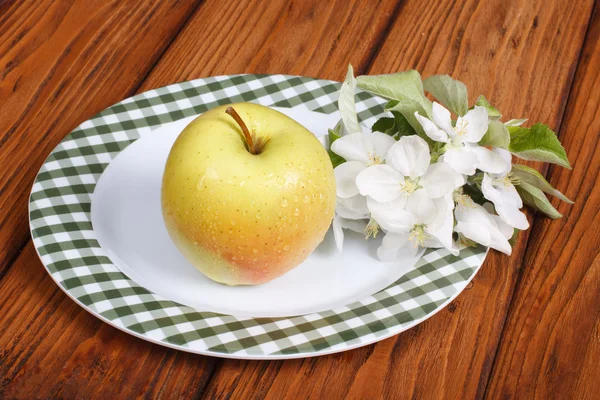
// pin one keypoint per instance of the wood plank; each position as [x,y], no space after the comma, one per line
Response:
[49,345]
[52,348]
[551,344]
[298,38]
[511,52]
[61,62]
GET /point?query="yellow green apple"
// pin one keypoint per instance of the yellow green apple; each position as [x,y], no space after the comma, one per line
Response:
[248,193]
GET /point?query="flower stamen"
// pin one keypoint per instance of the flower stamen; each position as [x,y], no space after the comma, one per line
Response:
[372,229]
[507,181]
[374,159]
[461,127]
[409,185]
[418,235]
[463,200]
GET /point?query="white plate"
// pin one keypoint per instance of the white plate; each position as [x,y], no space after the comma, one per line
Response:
[95,219]
[127,219]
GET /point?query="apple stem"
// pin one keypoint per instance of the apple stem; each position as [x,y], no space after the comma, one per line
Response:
[249,142]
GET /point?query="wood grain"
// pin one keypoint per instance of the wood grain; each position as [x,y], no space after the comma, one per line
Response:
[510,52]
[61,62]
[551,344]
[52,348]
[310,38]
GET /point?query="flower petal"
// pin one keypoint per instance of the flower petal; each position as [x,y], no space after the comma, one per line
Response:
[476,224]
[440,180]
[338,233]
[345,178]
[500,194]
[512,216]
[381,182]
[422,207]
[506,156]
[441,228]
[352,207]
[410,156]
[442,118]
[391,215]
[381,143]
[431,129]
[340,223]
[506,230]
[490,161]
[475,124]
[353,147]
[395,247]
[461,160]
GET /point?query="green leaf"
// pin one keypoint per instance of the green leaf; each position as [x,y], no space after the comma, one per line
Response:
[346,103]
[515,122]
[538,143]
[532,177]
[407,109]
[385,125]
[493,112]
[535,198]
[497,135]
[332,137]
[402,125]
[474,192]
[450,92]
[401,86]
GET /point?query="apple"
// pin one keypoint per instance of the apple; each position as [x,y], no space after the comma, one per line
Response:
[247,193]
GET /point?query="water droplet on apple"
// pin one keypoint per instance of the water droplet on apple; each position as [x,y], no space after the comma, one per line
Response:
[284,203]
[296,212]
[258,215]
[296,199]
[232,222]
[195,243]
[230,231]
[255,251]
[234,258]
[286,247]
[280,180]
[306,199]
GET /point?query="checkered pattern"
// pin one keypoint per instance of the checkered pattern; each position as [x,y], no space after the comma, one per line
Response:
[64,237]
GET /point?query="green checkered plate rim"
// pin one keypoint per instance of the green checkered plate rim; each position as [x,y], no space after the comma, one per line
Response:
[63,235]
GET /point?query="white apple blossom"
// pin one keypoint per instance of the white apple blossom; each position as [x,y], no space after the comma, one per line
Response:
[476,223]
[461,151]
[360,150]
[419,220]
[407,170]
[499,189]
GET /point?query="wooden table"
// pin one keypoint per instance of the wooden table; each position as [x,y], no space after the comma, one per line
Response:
[528,326]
